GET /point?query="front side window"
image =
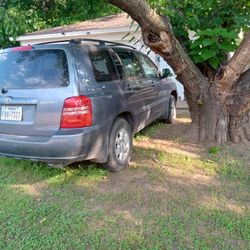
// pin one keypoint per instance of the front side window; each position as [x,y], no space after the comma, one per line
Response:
[104,69]
[149,68]
[130,64]
[33,69]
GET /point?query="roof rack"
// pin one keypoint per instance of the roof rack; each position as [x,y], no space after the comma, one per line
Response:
[80,40]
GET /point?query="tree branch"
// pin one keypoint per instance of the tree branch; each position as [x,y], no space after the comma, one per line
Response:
[237,65]
[141,12]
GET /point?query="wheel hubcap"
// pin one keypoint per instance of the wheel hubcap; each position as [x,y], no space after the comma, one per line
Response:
[173,110]
[122,145]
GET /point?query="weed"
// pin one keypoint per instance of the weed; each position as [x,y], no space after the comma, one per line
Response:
[214,150]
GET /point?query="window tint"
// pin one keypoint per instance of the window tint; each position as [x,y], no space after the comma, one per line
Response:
[33,69]
[130,63]
[104,69]
[148,67]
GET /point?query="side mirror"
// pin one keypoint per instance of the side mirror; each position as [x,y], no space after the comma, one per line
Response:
[166,73]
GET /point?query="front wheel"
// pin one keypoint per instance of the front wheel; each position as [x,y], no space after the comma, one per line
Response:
[172,110]
[120,146]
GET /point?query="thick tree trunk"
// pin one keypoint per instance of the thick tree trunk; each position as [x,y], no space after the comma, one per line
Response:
[219,110]
[239,127]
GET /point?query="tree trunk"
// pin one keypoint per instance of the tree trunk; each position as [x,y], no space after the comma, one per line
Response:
[220,110]
[239,127]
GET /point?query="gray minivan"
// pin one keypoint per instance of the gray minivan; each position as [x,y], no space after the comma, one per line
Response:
[77,100]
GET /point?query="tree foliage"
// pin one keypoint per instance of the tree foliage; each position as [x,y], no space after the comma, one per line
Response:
[215,23]
[19,17]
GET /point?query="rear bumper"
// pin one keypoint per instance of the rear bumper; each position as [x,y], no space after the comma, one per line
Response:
[68,146]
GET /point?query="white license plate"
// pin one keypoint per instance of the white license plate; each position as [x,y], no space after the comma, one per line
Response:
[11,113]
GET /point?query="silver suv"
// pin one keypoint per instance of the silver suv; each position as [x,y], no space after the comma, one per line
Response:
[77,100]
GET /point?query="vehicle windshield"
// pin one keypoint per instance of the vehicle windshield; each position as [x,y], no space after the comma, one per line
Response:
[33,69]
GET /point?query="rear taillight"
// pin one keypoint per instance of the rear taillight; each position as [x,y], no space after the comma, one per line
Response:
[77,112]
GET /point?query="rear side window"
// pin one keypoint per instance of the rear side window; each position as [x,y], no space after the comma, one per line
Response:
[34,69]
[103,66]
[130,63]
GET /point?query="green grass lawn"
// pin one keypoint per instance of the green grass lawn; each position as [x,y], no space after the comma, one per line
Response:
[175,195]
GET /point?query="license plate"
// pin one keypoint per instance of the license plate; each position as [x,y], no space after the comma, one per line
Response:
[11,113]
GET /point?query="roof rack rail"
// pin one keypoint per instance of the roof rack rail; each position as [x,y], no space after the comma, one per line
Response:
[78,41]
[60,41]
[101,42]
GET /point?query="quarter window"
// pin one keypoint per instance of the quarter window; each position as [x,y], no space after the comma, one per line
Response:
[104,69]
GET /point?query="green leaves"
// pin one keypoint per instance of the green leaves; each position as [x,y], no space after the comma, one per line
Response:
[206,42]
[10,25]
[214,62]
[19,17]
[215,23]
[207,32]
[227,46]
[207,53]
[223,32]
[226,34]
[212,44]
[196,44]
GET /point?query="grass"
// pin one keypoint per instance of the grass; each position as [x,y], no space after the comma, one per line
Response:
[149,131]
[175,195]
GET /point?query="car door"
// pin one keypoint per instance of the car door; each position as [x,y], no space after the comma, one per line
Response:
[137,91]
[152,77]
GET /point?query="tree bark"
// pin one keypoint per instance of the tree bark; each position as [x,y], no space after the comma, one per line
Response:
[216,107]
[239,128]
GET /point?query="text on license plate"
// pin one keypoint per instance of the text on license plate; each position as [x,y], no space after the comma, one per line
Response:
[11,113]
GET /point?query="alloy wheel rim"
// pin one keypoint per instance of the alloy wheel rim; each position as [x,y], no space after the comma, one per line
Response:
[122,145]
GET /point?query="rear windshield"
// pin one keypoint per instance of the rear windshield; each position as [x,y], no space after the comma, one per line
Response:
[34,69]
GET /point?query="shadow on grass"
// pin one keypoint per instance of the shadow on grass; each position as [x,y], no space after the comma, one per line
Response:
[28,172]
[224,164]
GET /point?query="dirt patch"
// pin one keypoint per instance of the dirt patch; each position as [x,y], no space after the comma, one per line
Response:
[170,165]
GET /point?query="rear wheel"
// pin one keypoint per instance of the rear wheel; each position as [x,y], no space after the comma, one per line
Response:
[120,146]
[171,118]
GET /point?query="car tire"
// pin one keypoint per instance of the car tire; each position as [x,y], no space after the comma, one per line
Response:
[120,146]
[171,118]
